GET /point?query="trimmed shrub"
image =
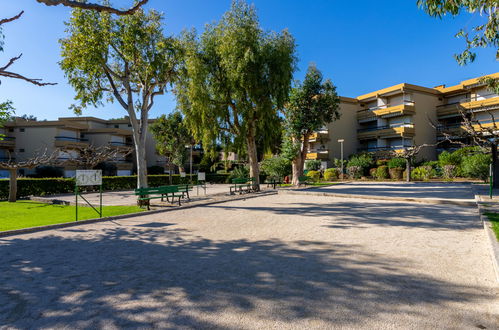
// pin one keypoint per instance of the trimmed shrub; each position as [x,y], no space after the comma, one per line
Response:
[315,176]
[396,173]
[313,165]
[276,167]
[382,173]
[396,163]
[421,173]
[476,166]
[449,171]
[372,172]
[331,174]
[354,172]
[362,161]
[381,162]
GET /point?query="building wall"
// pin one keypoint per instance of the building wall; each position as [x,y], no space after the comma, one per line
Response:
[345,128]
[425,133]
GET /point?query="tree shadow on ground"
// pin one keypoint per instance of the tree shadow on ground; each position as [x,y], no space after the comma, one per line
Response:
[168,278]
[358,213]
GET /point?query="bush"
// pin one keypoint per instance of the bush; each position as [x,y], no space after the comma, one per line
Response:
[277,167]
[313,165]
[421,173]
[331,174]
[381,162]
[362,161]
[449,171]
[154,170]
[239,172]
[43,187]
[449,158]
[354,172]
[396,163]
[382,173]
[49,172]
[476,166]
[372,172]
[315,176]
[396,173]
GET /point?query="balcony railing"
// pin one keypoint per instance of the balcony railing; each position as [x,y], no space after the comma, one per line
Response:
[120,144]
[70,139]
[390,148]
[7,138]
[378,128]
[7,159]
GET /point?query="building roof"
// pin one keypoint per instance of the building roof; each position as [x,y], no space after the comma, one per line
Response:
[465,84]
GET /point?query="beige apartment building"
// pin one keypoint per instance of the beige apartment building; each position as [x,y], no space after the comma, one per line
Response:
[25,139]
[401,116]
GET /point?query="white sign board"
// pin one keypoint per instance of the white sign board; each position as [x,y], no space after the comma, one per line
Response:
[88,177]
[182,174]
[201,176]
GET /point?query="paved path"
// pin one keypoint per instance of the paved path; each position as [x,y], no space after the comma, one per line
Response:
[281,261]
[128,197]
[430,191]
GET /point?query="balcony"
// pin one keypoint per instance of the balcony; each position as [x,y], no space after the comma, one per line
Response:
[70,142]
[470,104]
[7,142]
[397,149]
[4,159]
[486,124]
[388,111]
[318,154]
[319,136]
[402,130]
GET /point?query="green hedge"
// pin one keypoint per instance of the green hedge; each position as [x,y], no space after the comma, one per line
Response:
[42,187]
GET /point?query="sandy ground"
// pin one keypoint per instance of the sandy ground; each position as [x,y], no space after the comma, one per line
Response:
[281,261]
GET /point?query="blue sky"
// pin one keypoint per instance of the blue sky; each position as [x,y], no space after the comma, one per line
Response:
[361,45]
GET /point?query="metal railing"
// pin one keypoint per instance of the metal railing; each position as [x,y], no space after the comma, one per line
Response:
[387,106]
[377,128]
[468,99]
[70,138]
[6,159]
[372,149]
[120,144]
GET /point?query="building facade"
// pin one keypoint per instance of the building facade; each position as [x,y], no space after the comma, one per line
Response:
[402,116]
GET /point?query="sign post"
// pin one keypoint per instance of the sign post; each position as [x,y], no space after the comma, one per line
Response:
[491,180]
[88,178]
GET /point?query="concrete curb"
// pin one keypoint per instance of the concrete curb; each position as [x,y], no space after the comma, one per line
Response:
[493,242]
[131,215]
[398,199]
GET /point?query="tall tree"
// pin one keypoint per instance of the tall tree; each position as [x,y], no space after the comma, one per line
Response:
[236,79]
[172,136]
[481,36]
[127,59]
[312,104]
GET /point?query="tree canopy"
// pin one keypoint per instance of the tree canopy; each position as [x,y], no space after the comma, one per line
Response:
[235,80]
[172,136]
[127,59]
[482,35]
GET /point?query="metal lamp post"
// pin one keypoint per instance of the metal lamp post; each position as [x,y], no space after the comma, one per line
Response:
[340,141]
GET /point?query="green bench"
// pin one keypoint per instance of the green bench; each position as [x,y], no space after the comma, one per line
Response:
[303,180]
[146,194]
[242,185]
[273,182]
[184,189]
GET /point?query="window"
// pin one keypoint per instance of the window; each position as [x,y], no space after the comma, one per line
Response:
[116,126]
[21,150]
[129,125]
[11,130]
[21,130]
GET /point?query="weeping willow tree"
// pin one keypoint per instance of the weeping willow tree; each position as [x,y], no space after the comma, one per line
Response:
[236,79]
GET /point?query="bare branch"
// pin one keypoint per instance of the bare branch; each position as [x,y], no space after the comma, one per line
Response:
[7,20]
[14,75]
[93,6]
[91,156]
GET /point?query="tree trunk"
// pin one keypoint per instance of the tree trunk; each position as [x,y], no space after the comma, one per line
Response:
[298,163]
[495,166]
[408,170]
[12,185]
[253,160]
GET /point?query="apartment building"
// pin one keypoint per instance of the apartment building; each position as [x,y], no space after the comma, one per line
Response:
[27,138]
[401,116]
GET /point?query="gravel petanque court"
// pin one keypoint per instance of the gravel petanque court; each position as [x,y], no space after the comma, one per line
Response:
[274,262]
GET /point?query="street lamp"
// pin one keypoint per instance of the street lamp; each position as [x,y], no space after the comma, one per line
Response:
[340,141]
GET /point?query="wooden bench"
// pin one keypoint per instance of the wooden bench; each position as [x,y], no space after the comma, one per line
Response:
[146,194]
[303,180]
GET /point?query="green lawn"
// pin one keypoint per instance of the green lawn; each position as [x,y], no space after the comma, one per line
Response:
[25,214]
[494,219]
